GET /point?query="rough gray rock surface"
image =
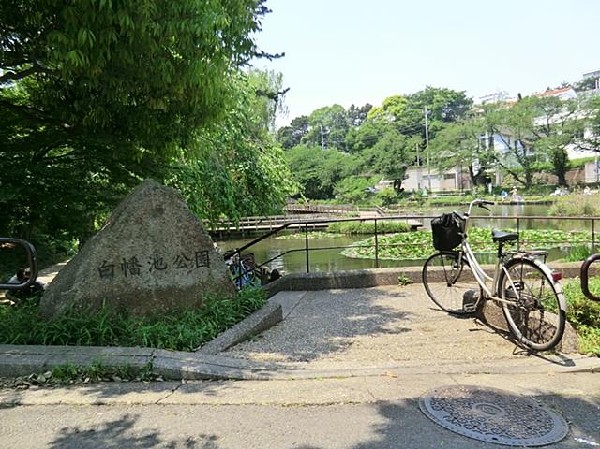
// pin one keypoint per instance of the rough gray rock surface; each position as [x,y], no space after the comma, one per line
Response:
[152,256]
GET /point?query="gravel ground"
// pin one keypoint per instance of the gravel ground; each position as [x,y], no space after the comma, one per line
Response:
[374,327]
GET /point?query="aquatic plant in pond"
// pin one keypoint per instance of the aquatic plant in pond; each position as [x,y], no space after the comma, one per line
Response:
[418,244]
[311,235]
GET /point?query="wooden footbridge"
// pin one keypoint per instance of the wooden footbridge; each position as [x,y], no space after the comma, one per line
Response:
[309,218]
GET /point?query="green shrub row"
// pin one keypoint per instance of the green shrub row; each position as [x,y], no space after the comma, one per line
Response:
[182,331]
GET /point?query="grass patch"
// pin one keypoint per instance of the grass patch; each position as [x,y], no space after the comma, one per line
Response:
[179,331]
[584,315]
[368,228]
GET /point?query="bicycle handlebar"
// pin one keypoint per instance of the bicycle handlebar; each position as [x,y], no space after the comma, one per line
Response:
[31,261]
[584,275]
[480,202]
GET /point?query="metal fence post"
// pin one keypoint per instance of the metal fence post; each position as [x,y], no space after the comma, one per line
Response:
[376,245]
[593,236]
[306,246]
[518,235]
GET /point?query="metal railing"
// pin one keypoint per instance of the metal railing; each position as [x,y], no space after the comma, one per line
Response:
[518,223]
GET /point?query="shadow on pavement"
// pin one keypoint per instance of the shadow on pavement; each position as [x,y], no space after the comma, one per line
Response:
[395,424]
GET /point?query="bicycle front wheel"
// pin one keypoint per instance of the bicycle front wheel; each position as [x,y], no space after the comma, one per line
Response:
[534,306]
[450,284]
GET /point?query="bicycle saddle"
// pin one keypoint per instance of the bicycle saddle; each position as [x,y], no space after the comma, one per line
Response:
[501,236]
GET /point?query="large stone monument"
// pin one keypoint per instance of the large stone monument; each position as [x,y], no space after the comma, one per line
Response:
[152,256]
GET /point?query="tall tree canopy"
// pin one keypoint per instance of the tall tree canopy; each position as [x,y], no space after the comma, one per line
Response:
[328,127]
[98,94]
[234,167]
[536,132]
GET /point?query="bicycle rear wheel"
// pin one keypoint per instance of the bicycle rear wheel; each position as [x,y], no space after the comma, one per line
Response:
[535,312]
[450,283]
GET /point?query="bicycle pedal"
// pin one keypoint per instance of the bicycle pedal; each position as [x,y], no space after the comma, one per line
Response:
[470,301]
[470,308]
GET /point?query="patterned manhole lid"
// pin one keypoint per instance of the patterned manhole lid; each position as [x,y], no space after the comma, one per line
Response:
[492,415]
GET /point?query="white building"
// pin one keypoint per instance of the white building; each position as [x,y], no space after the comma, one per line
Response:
[419,178]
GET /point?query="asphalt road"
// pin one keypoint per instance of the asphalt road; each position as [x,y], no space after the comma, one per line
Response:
[351,413]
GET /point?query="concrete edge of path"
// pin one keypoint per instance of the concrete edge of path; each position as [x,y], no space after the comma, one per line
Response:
[18,361]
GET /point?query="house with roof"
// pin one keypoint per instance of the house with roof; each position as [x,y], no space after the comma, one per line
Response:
[564,93]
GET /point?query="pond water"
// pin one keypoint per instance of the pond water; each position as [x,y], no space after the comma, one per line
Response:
[288,254]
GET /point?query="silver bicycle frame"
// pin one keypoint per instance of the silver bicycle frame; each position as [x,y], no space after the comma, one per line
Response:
[490,284]
[482,278]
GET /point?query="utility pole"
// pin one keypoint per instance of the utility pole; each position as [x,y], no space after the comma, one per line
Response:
[427,150]
[323,134]
[419,177]
[322,137]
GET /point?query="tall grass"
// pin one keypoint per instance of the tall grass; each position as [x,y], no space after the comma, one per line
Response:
[576,206]
[578,253]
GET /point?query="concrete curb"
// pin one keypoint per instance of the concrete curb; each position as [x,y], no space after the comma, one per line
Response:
[373,277]
[257,322]
[22,360]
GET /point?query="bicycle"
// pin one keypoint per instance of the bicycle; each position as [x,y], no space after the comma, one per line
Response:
[527,290]
[242,269]
[584,275]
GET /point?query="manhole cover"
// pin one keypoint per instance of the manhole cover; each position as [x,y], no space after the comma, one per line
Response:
[492,415]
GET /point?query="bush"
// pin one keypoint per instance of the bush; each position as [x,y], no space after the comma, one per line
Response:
[578,253]
[387,197]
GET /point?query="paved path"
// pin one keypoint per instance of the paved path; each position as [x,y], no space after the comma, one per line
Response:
[346,369]
[394,327]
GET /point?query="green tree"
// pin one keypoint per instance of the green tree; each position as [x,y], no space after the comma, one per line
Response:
[464,144]
[96,95]
[585,84]
[235,168]
[427,111]
[328,127]
[358,115]
[391,156]
[391,109]
[536,132]
[367,135]
[591,114]
[354,189]
[291,136]
[319,171]
[422,113]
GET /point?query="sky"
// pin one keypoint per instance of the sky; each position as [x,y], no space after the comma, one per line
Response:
[357,52]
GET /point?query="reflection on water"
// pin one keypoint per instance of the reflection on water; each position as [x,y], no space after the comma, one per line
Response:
[289,255]
[324,255]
